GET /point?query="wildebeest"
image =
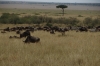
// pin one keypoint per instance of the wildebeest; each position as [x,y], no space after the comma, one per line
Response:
[81,29]
[98,28]
[7,29]
[24,34]
[63,32]
[52,32]
[3,32]
[18,32]
[92,30]
[13,37]
[31,39]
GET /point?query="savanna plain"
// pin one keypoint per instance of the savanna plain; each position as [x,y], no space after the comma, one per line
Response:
[72,49]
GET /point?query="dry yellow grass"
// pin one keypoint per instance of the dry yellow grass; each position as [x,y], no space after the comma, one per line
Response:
[73,49]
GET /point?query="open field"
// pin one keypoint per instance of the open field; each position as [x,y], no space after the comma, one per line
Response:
[73,49]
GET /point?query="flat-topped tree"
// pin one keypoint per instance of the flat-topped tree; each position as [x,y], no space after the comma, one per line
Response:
[63,7]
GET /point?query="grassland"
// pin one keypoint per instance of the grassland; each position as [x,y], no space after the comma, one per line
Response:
[73,49]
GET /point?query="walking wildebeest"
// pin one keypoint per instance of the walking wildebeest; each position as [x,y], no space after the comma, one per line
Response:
[31,39]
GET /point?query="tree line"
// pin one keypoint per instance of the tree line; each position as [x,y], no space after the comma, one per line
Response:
[7,18]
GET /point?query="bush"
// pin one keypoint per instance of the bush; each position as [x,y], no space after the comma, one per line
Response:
[7,18]
[80,16]
[88,21]
[91,22]
[13,19]
[49,25]
[37,14]
[73,21]
[96,22]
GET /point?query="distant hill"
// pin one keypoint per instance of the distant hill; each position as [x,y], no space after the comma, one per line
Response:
[26,2]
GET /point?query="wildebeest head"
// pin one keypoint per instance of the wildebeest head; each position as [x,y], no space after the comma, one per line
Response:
[24,34]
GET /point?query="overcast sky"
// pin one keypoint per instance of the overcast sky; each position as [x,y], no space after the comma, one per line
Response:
[69,1]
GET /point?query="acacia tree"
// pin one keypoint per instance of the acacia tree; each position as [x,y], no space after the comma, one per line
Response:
[63,7]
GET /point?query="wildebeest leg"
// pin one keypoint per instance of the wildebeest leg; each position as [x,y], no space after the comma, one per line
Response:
[27,40]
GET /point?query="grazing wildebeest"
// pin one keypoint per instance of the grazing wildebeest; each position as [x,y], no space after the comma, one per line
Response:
[3,32]
[52,32]
[7,29]
[24,34]
[10,36]
[63,32]
[98,28]
[92,30]
[18,32]
[81,29]
[13,29]
[31,39]
[13,37]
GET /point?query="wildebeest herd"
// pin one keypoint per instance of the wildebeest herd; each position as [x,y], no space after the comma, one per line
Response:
[52,30]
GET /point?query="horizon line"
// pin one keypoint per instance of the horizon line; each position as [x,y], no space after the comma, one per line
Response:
[54,2]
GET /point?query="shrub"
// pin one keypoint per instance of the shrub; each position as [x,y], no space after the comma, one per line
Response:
[96,22]
[91,22]
[73,21]
[7,18]
[49,25]
[37,14]
[88,21]
[80,16]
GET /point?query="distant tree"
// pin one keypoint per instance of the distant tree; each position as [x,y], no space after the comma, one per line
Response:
[63,7]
